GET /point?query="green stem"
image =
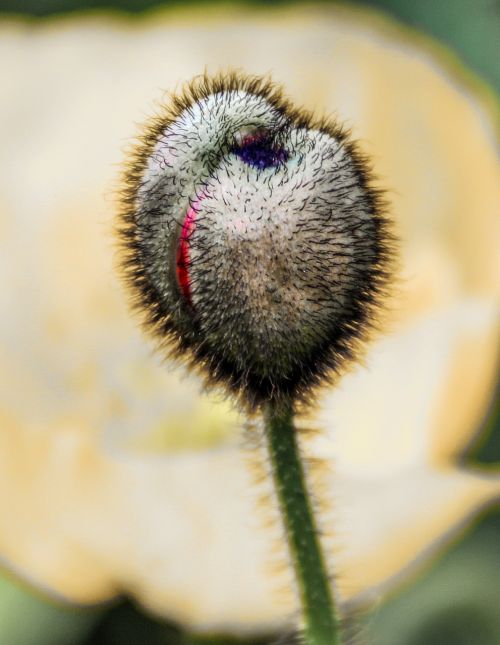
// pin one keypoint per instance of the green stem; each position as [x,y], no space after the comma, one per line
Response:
[321,626]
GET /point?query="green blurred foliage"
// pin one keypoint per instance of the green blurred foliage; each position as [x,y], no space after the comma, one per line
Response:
[487,449]
[469,27]
[30,619]
[125,625]
[48,7]
[455,601]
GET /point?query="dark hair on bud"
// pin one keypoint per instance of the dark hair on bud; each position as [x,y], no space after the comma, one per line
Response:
[252,238]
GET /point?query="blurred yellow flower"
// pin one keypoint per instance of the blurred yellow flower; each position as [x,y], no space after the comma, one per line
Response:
[119,475]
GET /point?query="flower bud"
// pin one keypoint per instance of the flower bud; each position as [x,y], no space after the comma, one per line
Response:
[252,238]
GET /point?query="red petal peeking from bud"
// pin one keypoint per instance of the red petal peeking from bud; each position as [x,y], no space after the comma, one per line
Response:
[274,280]
[182,259]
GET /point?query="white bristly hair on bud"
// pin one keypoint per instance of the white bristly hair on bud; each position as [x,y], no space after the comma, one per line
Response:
[253,239]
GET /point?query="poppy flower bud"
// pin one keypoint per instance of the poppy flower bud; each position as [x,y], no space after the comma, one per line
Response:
[252,238]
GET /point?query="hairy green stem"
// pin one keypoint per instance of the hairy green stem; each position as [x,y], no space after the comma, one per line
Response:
[321,625]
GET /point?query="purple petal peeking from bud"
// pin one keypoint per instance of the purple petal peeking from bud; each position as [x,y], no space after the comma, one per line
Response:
[258,151]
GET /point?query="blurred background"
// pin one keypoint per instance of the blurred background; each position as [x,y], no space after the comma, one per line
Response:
[455,599]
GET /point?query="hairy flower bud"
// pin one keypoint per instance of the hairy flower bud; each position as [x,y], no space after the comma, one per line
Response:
[252,238]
